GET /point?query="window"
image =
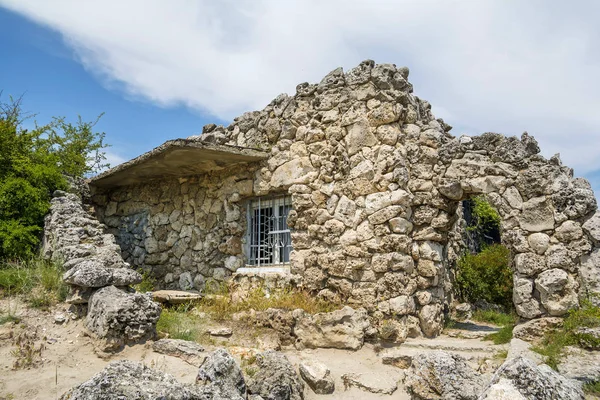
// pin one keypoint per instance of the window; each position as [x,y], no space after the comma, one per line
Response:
[268,239]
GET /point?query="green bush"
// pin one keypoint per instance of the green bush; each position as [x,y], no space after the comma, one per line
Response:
[33,164]
[486,276]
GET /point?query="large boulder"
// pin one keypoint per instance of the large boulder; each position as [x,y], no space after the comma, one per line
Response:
[535,329]
[134,381]
[521,375]
[276,378]
[93,274]
[118,317]
[340,329]
[441,375]
[220,373]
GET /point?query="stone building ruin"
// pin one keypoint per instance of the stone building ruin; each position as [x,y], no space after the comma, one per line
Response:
[353,185]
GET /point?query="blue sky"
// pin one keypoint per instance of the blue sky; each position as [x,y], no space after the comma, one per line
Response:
[161,70]
[42,68]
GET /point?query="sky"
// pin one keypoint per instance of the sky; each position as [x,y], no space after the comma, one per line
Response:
[161,70]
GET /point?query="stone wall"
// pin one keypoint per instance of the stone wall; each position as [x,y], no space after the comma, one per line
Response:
[375,182]
[182,231]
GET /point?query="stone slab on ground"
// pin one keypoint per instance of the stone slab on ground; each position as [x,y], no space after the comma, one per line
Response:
[317,376]
[371,382]
[190,352]
[175,296]
[582,365]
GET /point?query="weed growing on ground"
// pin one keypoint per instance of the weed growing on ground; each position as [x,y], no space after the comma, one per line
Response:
[504,335]
[494,317]
[147,284]
[592,388]
[26,353]
[179,323]
[554,343]
[41,281]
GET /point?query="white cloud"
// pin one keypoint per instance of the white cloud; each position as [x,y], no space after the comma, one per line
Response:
[504,66]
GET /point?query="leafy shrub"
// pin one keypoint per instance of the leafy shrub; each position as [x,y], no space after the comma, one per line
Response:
[32,166]
[486,276]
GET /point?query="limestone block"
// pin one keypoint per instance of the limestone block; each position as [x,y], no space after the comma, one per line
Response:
[402,305]
[592,227]
[299,170]
[359,136]
[589,276]
[568,231]
[400,225]
[529,264]
[557,291]
[539,242]
[537,215]
[431,319]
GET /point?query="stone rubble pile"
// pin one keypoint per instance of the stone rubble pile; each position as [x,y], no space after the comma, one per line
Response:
[219,378]
[375,183]
[98,277]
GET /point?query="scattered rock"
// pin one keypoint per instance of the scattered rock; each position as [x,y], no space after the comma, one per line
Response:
[532,382]
[92,274]
[440,375]
[191,352]
[118,318]
[318,377]
[276,378]
[223,331]
[133,380]
[340,329]
[463,311]
[371,382]
[219,372]
[535,329]
[59,318]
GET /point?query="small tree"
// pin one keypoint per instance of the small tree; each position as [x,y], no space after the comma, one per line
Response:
[33,164]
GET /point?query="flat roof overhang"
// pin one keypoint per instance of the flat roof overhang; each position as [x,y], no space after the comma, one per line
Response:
[174,159]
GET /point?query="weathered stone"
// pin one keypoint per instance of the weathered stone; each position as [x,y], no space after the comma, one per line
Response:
[91,274]
[133,380]
[118,318]
[431,320]
[530,264]
[592,227]
[191,352]
[557,291]
[317,376]
[440,375]
[372,383]
[220,373]
[535,329]
[532,382]
[275,378]
[340,329]
[539,242]
[538,215]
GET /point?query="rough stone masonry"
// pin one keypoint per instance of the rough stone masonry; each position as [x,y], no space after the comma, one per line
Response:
[375,182]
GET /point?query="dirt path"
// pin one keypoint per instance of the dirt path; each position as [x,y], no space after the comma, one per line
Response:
[68,358]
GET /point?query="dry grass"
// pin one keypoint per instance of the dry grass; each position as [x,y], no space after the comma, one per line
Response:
[219,305]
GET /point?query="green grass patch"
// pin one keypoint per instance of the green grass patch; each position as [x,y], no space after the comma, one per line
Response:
[40,281]
[592,388]
[504,335]
[554,342]
[495,317]
[179,323]
[147,284]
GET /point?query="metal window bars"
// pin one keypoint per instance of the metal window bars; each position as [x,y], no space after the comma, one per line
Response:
[268,239]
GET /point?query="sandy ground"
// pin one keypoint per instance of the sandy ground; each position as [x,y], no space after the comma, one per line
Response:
[68,358]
